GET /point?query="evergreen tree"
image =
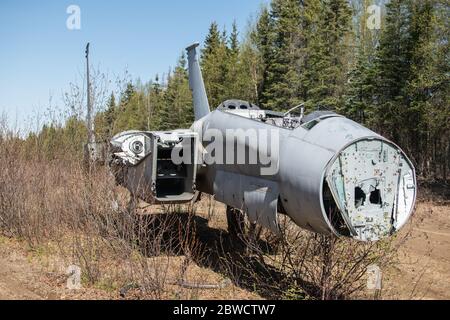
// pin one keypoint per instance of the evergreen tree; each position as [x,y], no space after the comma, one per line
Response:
[127,94]
[281,78]
[110,115]
[427,117]
[358,99]
[328,24]
[214,64]
[132,114]
[262,37]
[232,83]
[155,104]
[393,69]
[177,111]
[249,73]
[234,40]
[304,46]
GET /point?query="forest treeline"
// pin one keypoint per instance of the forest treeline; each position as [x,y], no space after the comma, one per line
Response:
[329,54]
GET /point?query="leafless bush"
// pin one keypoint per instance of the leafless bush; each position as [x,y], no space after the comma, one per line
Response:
[87,216]
[303,265]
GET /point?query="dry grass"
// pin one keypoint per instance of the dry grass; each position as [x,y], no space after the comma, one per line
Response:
[167,253]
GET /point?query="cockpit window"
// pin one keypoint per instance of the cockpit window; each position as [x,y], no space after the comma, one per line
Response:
[311,124]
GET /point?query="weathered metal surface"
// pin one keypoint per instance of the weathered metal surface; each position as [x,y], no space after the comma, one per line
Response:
[142,162]
[255,196]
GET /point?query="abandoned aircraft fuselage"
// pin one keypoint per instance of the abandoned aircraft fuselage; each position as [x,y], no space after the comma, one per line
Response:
[329,174]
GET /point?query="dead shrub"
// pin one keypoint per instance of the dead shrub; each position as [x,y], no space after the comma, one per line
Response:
[303,265]
[55,200]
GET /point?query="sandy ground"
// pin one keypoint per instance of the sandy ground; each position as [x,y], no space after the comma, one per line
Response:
[14,279]
[23,278]
[423,271]
[424,268]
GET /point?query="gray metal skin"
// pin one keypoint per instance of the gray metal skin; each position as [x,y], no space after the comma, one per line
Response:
[334,176]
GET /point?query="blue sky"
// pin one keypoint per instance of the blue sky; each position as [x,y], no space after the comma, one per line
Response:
[39,56]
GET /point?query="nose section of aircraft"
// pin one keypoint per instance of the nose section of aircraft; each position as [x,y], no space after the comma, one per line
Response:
[346,180]
[369,190]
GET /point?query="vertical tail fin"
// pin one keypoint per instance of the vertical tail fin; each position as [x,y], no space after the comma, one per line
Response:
[201,104]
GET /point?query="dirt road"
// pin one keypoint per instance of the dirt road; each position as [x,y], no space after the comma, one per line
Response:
[12,288]
[23,278]
[17,278]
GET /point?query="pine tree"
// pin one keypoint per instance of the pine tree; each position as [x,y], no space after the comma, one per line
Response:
[281,78]
[328,25]
[234,40]
[249,73]
[304,46]
[156,104]
[214,63]
[178,109]
[262,37]
[428,114]
[232,81]
[132,114]
[110,114]
[358,98]
[393,70]
[127,94]
[105,120]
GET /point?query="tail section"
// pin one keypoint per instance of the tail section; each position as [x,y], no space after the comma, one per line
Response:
[201,104]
